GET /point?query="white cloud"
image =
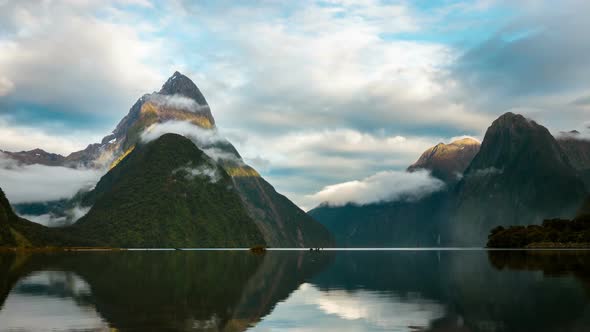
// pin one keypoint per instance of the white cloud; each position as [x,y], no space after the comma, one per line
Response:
[382,187]
[39,183]
[341,150]
[332,66]
[208,171]
[47,219]
[204,137]
[51,220]
[65,56]
[178,102]
[221,155]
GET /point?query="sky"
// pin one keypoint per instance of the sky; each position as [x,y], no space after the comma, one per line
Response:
[316,95]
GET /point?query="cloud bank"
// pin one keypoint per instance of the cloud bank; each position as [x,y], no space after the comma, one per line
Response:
[50,220]
[39,183]
[208,140]
[204,137]
[382,187]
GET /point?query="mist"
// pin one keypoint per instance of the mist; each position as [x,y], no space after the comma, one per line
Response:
[39,183]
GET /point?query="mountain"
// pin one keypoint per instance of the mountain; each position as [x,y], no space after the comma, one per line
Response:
[520,176]
[281,222]
[167,193]
[447,161]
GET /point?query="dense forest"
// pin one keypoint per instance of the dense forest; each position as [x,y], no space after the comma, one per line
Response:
[573,233]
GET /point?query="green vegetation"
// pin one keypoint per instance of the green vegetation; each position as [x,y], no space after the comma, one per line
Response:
[167,193]
[553,233]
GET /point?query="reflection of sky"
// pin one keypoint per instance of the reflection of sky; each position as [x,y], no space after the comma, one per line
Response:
[41,312]
[310,309]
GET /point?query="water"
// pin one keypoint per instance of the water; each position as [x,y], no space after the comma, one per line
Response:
[396,290]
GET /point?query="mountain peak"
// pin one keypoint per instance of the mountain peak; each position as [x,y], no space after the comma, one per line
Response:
[510,119]
[182,85]
[515,140]
[447,161]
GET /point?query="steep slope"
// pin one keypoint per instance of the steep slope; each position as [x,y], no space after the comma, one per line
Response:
[520,176]
[448,161]
[167,193]
[282,223]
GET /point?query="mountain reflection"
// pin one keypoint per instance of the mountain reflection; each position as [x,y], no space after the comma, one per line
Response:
[176,291]
[296,290]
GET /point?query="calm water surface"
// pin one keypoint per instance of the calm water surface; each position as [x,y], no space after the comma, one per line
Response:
[340,291]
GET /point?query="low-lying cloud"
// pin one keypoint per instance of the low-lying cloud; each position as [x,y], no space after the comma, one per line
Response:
[385,186]
[69,217]
[207,171]
[40,183]
[201,136]
[207,140]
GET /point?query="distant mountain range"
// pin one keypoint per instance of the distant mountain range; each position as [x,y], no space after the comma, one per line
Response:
[159,193]
[519,175]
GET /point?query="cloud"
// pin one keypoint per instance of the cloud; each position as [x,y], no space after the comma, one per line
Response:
[222,155]
[207,171]
[298,163]
[332,65]
[59,219]
[178,102]
[39,183]
[56,62]
[208,140]
[382,187]
[536,64]
[15,137]
[47,219]
[327,91]
[204,137]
